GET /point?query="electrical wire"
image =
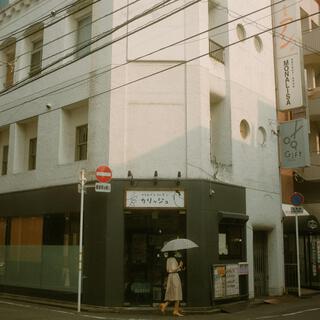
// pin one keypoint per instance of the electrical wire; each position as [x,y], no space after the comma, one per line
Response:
[160,71]
[78,45]
[10,6]
[41,28]
[183,40]
[38,19]
[294,41]
[218,5]
[101,36]
[196,34]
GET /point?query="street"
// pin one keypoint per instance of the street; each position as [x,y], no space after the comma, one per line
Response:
[288,307]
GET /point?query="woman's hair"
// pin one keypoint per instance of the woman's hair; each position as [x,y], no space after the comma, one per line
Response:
[170,254]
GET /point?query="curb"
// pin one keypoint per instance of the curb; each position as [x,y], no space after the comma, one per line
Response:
[103,309]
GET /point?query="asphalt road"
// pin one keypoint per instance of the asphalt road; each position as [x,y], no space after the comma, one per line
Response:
[289,308]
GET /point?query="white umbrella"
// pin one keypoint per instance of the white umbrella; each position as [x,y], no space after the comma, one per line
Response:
[179,244]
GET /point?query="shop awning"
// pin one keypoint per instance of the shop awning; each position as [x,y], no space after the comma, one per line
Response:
[234,217]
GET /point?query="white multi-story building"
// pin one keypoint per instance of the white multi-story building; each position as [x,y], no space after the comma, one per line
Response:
[189,137]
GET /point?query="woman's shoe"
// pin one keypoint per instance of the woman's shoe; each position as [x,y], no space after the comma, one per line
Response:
[177,314]
[162,307]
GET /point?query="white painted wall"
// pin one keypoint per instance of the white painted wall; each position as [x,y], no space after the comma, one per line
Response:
[58,89]
[255,166]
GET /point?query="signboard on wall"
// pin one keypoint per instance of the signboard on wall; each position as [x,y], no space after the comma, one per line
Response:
[219,274]
[294,144]
[226,280]
[232,279]
[289,56]
[156,199]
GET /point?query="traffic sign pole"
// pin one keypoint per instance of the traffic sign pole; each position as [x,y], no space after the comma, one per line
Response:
[82,183]
[297,199]
[298,256]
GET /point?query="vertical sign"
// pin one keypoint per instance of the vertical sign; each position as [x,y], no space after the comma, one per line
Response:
[294,144]
[289,55]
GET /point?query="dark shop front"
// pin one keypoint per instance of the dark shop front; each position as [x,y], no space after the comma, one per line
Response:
[309,252]
[124,232]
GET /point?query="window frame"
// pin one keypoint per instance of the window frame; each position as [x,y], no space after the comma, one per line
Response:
[232,221]
[32,157]
[79,145]
[37,49]
[4,162]
[83,26]
[10,54]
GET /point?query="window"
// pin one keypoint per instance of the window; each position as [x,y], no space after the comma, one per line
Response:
[216,51]
[26,231]
[244,129]
[7,61]
[318,142]
[3,238]
[61,229]
[32,153]
[81,142]
[258,44]
[217,16]
[241,32]
[84,36]
[4,168]
[231,241]
[262,136]
[10,57]
[3,225]
[36,57]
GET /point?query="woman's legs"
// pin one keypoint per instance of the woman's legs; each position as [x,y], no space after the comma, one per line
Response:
[176,310]
[163,306]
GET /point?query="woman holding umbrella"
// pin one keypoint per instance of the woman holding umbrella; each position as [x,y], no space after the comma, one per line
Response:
[173,289]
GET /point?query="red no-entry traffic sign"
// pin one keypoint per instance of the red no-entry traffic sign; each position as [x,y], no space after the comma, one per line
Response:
[103,174]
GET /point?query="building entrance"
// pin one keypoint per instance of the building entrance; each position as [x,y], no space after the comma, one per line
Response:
[145,269]
[260,239]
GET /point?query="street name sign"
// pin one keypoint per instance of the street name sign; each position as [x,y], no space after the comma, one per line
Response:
[102,187]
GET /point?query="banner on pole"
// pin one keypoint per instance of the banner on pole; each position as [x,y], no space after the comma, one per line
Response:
[289,56]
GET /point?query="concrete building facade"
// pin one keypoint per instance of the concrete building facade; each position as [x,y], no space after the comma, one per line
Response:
[178,99]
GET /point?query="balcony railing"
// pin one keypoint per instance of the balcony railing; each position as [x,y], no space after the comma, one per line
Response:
[216,51]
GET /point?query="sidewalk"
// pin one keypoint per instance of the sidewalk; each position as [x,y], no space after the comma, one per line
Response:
[225,308]
[284,299]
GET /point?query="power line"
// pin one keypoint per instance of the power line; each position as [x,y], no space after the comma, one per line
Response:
[80,48]
[160,71]
[105,34]
[172,44]
[183,40]
[295,42]
[39,19]
[76,30]
[10,6]
[53,22]
[85,42]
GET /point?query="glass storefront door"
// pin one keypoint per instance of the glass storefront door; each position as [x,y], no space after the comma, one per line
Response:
[145,269]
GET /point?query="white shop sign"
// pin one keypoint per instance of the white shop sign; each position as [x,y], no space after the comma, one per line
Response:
[135,199]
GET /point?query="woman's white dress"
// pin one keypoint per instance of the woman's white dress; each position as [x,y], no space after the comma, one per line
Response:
[173,290]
